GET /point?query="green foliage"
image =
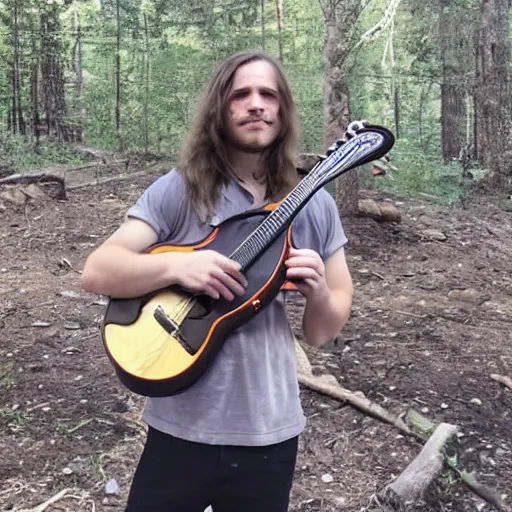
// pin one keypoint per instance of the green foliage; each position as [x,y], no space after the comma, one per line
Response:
[17,417]
[423,173]
[21,153]
[169,48]
[6,377]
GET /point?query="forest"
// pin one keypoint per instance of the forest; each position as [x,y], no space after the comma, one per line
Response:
[410,407]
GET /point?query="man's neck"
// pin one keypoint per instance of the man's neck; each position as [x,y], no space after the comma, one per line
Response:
[248,167]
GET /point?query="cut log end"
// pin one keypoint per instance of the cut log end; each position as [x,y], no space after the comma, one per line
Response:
[412,483]
[379,211]
[53,184]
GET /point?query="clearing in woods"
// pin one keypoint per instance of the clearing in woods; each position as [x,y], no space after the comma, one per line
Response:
[430,324]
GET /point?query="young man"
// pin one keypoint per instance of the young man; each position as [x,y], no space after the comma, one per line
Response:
[230,440]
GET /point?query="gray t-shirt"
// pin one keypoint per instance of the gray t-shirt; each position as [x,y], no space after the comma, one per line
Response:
[250,394]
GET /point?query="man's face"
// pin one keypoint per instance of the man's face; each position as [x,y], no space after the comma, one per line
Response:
[253,107]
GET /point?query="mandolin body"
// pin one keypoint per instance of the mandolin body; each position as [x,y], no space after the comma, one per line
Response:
[152,359]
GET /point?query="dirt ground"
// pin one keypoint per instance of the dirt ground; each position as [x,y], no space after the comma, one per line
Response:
[431,322]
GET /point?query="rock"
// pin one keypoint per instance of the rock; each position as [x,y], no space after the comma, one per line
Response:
[434,234]
[67,471]
[428,221]
[72,326]
[469,295]
[476,401]
[112,487]
[327,478]
[32,191]
[14,196]
[41,324]
[338,501]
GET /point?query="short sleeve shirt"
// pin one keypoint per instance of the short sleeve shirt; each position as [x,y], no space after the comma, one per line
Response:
[249,395]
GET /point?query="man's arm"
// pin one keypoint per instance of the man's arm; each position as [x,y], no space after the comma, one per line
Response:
[120,268]
[328,290]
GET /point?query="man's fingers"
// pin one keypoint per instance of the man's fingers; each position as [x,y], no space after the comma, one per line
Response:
[231,283]
[305,262]
[302,273]
[232,268]
[223,290]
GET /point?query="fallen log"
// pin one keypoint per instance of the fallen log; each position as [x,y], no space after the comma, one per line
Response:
[98,182]
[379,211]
[412,483]
[24,179]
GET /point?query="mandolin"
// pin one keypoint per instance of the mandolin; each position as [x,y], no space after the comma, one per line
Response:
[160,344]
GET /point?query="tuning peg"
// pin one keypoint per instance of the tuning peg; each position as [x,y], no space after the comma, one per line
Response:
[333,147]
[354,126]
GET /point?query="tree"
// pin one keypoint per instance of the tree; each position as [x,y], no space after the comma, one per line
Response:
[456,27]
[493,112]
[16,119]
[340,16]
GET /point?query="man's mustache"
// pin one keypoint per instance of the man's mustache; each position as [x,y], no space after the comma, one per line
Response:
[250,119]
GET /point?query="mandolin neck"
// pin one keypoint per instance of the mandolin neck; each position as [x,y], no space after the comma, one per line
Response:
[274,224]
[369,144]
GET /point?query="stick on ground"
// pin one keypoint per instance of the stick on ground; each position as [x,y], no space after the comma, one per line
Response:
[328,385]
[47,503]
[503,379]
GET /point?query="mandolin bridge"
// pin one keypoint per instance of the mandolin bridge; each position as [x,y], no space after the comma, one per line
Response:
[163,319]
[171,327]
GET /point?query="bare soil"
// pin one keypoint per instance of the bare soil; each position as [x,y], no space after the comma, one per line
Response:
[431,322]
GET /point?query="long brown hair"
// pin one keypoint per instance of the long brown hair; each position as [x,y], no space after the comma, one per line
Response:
[204,159]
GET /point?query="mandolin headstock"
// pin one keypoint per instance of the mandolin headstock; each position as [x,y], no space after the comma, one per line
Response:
[361,144]
[309,161]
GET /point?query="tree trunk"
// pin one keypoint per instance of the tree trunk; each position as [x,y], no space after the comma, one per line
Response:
[17,123]
[263,36]
[79,81]
[54,101]
[455,36]
[34,99]
[118,76]
[337,108]
[492,94]
[146,86]
[279,16]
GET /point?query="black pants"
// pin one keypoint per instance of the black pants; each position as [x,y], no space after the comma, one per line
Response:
[174,475]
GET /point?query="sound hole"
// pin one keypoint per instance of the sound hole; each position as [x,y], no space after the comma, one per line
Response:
[203,305]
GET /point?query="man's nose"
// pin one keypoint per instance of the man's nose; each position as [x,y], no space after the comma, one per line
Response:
[256,102]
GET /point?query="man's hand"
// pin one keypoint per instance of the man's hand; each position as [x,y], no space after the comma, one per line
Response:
[209,272]
[307,271]
[328,290]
